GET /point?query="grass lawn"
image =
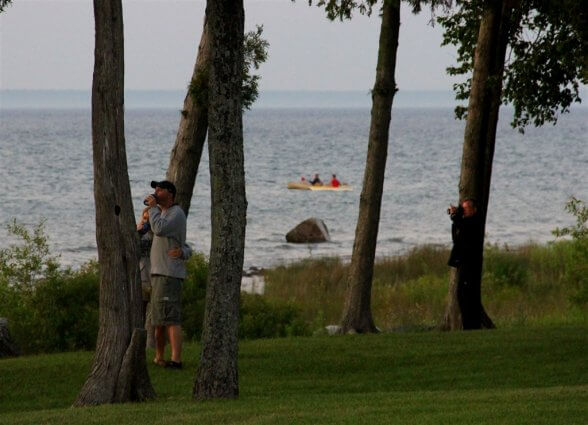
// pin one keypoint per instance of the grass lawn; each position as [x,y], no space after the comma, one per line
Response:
[506,376]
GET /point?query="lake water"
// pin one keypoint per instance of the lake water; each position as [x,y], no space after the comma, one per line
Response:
[46,172]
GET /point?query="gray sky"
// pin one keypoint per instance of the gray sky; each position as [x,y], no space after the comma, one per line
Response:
[48,44]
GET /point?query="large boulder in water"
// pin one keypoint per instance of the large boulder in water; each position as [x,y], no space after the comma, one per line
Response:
[311,230]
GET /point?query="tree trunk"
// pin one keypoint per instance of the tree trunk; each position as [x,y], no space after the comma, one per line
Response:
[479,142]
[357,315]
[452,318]
[187,151]
[119,372]
[217,375]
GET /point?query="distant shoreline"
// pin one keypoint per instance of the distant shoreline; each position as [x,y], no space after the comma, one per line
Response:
[80,99]
[269,99]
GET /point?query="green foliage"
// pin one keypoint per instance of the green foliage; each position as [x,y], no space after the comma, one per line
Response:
[65,312]
[318,286]
[504,267]
[255,52]
[546,80]
[260,318]
[343,9]
[24,263]
[544,64]
[194,295]
[198,88]
[579,231]
[3,4]
[419,261]
[461,29]
[531,284]
[48,309]
[60,313]
[522,285]
[51,309]
[416,303]
[577,269]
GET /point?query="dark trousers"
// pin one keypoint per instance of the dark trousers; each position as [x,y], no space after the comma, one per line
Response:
[469,297]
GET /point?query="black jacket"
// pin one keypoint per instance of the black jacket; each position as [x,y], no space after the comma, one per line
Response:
[464,234]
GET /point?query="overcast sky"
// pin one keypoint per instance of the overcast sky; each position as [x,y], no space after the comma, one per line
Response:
[48,44]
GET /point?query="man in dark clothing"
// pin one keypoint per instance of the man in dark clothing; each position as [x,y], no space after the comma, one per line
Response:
[465,256]
[316,181]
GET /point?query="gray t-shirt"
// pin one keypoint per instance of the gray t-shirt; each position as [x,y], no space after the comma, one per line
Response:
[169,231]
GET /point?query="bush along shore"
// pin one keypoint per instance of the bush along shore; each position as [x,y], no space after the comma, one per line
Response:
[50,309]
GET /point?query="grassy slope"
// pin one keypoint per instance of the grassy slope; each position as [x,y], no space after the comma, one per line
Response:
[514,376]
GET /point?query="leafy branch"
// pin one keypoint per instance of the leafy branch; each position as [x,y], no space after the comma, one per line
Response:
[579,231]
[546,57]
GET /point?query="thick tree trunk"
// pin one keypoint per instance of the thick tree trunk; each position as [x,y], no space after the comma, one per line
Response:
[187,151]
[217,375]
[452,317]
[111,379]
[357,315]
[478,149]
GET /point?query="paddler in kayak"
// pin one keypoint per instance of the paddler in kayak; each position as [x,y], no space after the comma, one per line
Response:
[316,181]
[335,182]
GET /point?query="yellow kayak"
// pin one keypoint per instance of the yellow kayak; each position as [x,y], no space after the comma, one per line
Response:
[308,186]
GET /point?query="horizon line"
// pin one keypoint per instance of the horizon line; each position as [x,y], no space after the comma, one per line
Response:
[266,90]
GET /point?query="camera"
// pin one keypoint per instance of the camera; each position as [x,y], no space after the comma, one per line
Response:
[154,196]
[458,211]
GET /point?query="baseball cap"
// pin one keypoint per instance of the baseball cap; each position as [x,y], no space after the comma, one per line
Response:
[164,184]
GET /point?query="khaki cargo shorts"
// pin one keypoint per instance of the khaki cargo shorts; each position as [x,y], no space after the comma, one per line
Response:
[166,300]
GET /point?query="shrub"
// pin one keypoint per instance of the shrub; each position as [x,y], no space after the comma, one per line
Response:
[579,231]
[260,318]
[504,267]
[48,309]
[24,263]
[65,309]
[52,309]
[194,295]
[60,313]
[577,270]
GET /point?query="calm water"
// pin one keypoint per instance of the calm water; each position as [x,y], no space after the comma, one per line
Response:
[46,172]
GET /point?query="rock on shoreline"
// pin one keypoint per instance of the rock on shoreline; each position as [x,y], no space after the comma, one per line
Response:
[311,230]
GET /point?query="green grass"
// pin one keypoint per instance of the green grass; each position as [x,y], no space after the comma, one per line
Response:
[507,376]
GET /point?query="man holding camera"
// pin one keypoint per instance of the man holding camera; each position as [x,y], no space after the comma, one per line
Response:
[168,254]
[466,257]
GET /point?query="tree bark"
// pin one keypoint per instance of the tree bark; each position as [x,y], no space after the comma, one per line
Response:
[452,317]
[217,375]
[478,148]
[357,315]
[187,151]
[118,243]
